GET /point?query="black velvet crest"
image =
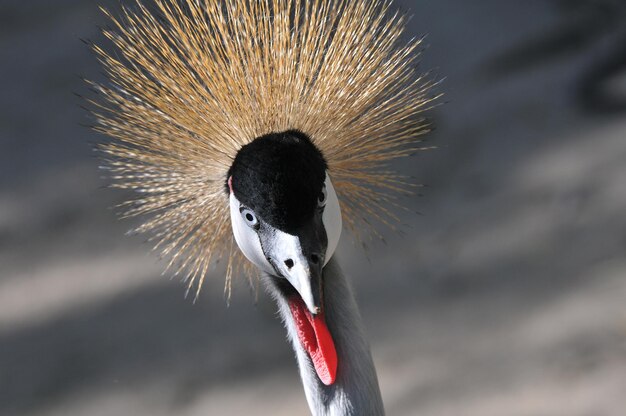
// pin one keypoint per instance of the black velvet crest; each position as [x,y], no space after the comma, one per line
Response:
[279,176]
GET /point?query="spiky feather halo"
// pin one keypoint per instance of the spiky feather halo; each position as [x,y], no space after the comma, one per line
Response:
[195,81]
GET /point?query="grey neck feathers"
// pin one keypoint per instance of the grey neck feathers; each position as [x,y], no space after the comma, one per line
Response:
[355,391]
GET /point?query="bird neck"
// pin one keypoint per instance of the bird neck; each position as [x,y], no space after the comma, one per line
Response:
[355,390]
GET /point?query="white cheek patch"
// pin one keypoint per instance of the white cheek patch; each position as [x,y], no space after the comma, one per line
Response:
[247,238]
[250,245]
[331,219]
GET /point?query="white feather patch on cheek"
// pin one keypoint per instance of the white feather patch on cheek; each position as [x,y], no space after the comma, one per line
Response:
[332,220]
[247,238]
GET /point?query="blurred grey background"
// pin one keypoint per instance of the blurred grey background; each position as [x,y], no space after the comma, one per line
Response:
[506,296]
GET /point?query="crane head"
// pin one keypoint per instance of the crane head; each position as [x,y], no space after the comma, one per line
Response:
[284,212]
[286,220]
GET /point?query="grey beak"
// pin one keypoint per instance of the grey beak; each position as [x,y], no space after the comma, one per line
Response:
[298,258]
[306,277]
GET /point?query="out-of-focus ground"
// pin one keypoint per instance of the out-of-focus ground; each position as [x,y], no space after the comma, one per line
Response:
[506,296]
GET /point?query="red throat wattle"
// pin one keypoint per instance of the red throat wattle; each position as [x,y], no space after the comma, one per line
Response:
[315,339]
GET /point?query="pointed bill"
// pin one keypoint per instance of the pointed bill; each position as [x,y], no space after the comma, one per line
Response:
[290,261]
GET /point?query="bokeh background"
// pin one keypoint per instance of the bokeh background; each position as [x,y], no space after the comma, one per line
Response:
[505,296]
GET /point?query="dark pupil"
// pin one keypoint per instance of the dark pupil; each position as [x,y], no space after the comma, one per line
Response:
[249,217]
[322,197]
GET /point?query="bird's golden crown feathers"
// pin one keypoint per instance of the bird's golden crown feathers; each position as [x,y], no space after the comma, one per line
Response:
[192,81]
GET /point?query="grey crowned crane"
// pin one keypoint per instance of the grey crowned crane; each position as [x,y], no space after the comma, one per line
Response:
[286,219]
[257,124]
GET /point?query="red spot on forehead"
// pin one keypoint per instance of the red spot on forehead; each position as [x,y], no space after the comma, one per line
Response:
[230,184]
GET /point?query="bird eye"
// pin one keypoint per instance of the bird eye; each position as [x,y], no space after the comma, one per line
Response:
[321,199]
[249,217]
